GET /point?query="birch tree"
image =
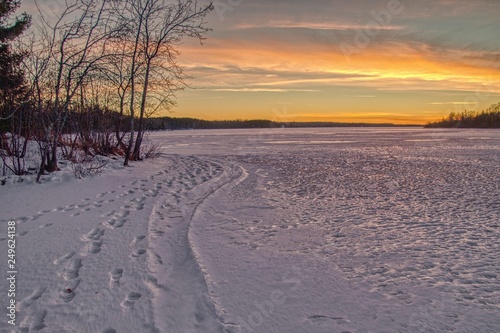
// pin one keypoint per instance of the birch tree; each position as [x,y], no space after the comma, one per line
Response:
[68,50]
[154,30]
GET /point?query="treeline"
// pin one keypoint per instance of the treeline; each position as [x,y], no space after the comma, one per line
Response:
[84,80]
[338,124]
[489,118]
[170,123]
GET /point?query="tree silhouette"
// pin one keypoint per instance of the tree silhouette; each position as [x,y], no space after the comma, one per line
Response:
[489,118]
[12,78]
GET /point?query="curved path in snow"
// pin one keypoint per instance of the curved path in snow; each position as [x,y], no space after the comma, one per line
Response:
[115,256]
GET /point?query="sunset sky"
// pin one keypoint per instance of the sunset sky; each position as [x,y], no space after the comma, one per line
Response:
[399,61]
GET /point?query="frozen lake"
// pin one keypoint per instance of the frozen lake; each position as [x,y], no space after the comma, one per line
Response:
[357,230]
[351,230]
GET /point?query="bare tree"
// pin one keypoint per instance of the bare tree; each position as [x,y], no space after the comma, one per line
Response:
[67,52]
[119,78]
[155,29]
[101,56]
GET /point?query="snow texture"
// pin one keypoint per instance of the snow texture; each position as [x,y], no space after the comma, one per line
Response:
[283,230]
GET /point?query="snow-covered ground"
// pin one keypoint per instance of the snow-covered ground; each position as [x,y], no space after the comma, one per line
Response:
[283,230]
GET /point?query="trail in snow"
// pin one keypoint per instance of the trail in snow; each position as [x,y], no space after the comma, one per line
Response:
[396,234]
[182,302]
[120,260]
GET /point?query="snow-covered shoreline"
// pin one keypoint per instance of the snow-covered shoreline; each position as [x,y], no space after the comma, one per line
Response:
[320,230]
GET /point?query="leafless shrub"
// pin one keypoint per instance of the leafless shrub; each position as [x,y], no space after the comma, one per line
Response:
[151,150]
[87,166]
[12,153]
[68,146]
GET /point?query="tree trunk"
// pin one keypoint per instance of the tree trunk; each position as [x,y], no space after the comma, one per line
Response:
[130,140]
[140,132]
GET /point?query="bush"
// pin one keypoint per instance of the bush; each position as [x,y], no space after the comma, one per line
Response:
[88,165]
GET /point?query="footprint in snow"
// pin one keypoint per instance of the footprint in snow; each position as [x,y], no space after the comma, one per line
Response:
[95,247]
[138,253]
[67,292]
[64,258]
[71,275]
[128,303]
[69,208]
[93,235]
[34,322]
[72,269]
[28,301]
[321,319]
[115,223]
[115,276]
[35,217]
[137,240]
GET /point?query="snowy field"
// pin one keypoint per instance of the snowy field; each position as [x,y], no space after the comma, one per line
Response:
[283,230]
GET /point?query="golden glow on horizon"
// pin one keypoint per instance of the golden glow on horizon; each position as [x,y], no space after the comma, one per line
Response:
[336,60]
[248,70]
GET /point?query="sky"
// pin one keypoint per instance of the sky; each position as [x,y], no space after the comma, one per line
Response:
[398,61]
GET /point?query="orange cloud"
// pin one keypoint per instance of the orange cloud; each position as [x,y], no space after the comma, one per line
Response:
[265,64]
[381,65]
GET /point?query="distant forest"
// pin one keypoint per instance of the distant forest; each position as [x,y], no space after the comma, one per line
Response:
[489,118]
[169,123]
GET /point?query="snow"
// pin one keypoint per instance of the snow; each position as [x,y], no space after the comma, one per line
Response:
[278,230]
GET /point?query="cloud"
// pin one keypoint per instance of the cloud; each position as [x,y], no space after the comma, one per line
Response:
[453,103]
[333,26]
[430,50]
[278,90]
[385,66]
